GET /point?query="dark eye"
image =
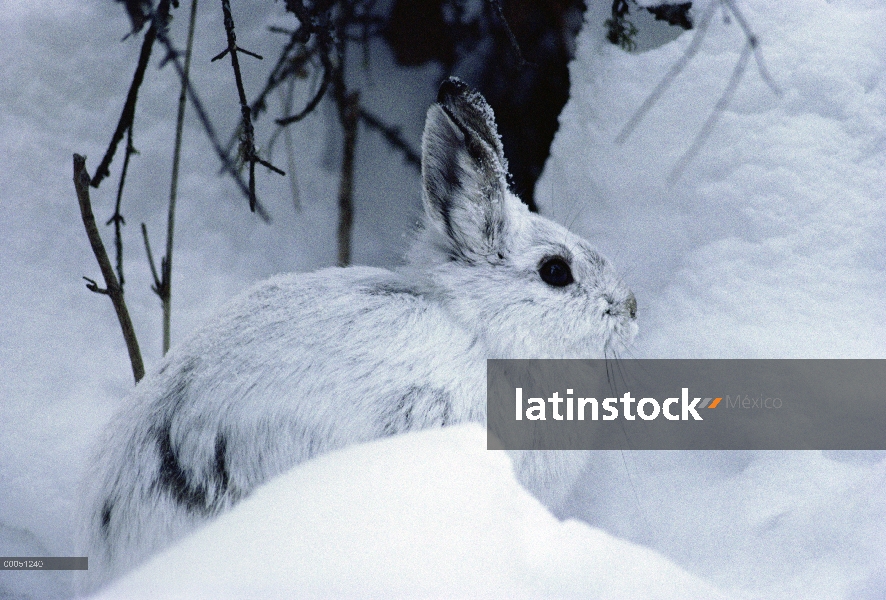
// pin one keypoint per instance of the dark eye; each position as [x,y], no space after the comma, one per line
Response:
[556,272]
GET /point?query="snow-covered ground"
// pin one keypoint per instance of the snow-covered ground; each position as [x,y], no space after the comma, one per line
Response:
[769,244]
[431,514]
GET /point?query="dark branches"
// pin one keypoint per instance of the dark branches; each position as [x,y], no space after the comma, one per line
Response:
[288,64]
[163,285]
[227,164]
[393,136]
[117,218]
[350,114]
[312,104]
[128,113]
[327,27]
[248,152]
[112,287]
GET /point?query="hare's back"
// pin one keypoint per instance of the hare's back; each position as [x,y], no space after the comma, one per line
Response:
[351,353]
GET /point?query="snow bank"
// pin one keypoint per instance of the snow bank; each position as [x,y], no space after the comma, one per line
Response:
[431,514]
[770,244]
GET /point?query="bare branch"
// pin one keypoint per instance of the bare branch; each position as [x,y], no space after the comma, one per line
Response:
[224,53]
[112,287]
[92,286]
[247,138]
[286,66]
[252,54]
[128,113]
[166,298]
[393,136]
[290,163]
[350,114]
[310,106]
[117,218]
[157,286]
[227,164]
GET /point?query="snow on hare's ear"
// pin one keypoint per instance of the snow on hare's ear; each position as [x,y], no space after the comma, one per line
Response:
[464,172]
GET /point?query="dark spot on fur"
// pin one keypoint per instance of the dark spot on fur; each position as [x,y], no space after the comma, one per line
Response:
[392,289]
[202,491]
[452,174]
[173,479]
[221,468]
[106,517]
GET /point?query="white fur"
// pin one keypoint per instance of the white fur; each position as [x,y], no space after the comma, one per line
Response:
[305,363]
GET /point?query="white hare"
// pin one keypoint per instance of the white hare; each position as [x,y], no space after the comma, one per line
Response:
[303,364]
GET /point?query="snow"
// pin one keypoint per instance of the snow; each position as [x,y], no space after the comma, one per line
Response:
[430,514]
[769,244]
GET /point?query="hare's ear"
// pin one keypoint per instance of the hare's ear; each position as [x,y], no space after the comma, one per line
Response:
[464,173]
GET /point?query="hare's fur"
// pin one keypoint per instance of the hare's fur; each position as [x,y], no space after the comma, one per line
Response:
[306,363]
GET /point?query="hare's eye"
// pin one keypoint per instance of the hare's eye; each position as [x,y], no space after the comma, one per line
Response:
[556,272]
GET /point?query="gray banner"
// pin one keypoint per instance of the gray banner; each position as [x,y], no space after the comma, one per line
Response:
[686,404]
[44,563]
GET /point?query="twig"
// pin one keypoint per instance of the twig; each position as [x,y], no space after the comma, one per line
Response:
[117,218]
[112,288]
[227,164]
[393,136]
[157,286]
[290,148]
[224,52]
[312,104]
[247,137]
[286,66]
[166,281]
[128,113]
[350,114]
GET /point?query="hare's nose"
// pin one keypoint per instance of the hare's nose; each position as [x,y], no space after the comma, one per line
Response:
[631,305]
[618,309]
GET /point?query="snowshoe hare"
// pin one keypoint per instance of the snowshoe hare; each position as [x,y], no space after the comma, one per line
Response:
[303,364]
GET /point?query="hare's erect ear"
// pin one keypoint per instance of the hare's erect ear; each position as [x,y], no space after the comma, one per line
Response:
[464,172]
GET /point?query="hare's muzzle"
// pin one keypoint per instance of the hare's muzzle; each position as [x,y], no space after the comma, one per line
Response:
[631,305]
